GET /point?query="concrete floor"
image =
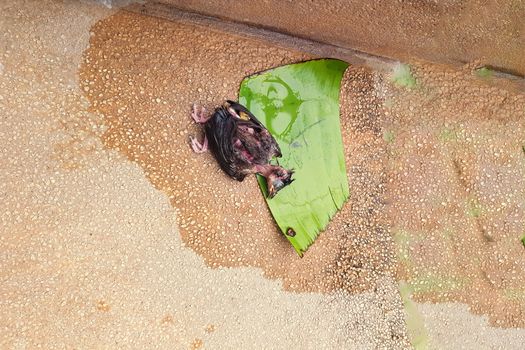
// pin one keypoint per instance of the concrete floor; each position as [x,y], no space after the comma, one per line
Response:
[98,245]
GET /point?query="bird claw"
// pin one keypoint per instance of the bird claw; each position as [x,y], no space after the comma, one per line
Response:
[199,115]
[197,146]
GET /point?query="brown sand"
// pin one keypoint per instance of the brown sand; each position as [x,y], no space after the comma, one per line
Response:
[440,31]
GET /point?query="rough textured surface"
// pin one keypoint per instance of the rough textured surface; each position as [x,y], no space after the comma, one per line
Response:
[448,328]
[430,152]
[439,31]
[90,251]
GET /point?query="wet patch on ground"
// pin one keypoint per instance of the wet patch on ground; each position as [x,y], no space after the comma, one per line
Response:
[143,74]
[435,167]
[456,190]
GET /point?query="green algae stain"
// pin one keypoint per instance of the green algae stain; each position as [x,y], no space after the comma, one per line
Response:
[474,208]
[403,241]
[484,73]
[389,136]
[299,104]
[417,331]
[432,283]
[448,134]
[514,294]
[402,76]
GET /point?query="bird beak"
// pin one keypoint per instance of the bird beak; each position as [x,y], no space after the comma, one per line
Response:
[276,183]
[227,106]
[271,190]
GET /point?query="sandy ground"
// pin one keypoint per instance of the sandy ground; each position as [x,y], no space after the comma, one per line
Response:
[115,235]
[448,327]
[386,129]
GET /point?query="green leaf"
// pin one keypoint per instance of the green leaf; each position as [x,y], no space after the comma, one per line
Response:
[299,104]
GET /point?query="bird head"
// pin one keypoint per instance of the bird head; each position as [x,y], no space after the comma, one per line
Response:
[277,179]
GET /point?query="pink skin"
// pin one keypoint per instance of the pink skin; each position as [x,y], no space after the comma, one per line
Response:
[238,144]
[200,117]
[264,170]
[247,129]
[197,146]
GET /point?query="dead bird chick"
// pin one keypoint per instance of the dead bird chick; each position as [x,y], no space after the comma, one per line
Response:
[241,145]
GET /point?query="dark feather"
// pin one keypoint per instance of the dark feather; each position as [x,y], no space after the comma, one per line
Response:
[239,143]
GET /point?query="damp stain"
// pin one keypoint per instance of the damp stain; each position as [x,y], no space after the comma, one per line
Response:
[143,74]
[456,192]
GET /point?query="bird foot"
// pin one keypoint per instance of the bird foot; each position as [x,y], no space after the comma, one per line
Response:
[199,114]
[197,146]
